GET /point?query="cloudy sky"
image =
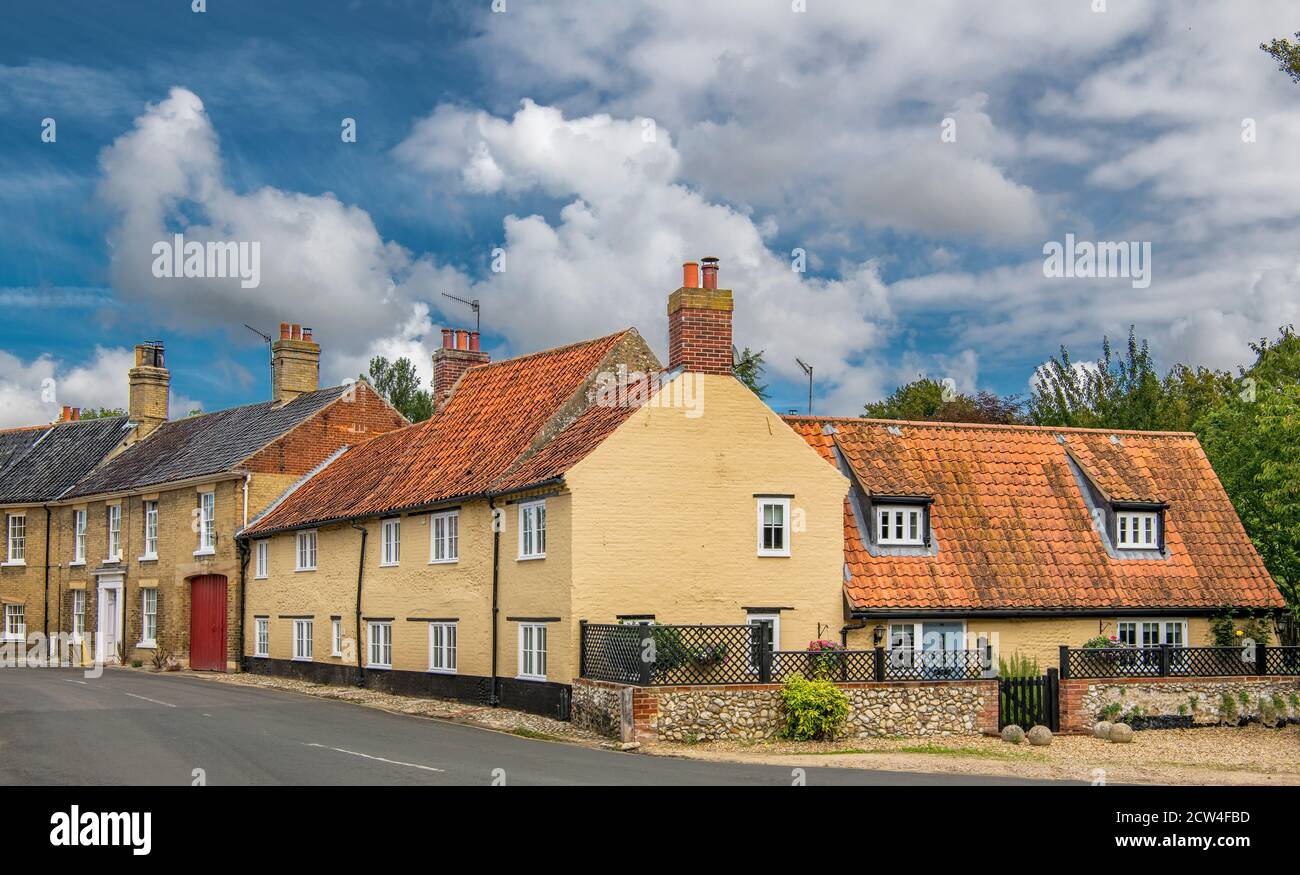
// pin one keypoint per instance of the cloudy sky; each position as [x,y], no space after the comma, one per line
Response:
[918,154]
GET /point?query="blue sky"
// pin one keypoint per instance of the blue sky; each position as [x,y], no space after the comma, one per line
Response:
[599,145]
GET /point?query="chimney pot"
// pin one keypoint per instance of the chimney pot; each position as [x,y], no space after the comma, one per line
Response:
[295,331]
[473,341]
[76,413]
[710,272]
[306,334]
[691,275]
[284,330]
[462,338]
[67,414]
[446,338]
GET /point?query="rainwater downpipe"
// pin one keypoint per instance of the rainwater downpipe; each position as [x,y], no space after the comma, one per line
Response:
[361,570]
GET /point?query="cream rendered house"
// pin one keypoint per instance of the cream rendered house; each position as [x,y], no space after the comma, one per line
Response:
[458,557]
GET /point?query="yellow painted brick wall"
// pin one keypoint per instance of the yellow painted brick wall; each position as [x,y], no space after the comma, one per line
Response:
[25,584]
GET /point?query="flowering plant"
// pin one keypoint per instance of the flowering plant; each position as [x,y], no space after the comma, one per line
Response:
[821,645]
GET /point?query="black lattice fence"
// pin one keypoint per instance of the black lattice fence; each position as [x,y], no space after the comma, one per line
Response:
[611,652]
[1169,661]
[843,666]
[937,665]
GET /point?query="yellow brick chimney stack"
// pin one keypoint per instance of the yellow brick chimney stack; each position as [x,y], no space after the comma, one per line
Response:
[149,382]
[295,363]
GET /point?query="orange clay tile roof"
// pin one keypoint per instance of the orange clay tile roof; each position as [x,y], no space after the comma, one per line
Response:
[1011,527]
[488,439]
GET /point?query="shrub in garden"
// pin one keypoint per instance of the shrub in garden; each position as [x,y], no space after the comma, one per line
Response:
[827,658]
[1227,709]
[1018,667]
[1267,713]
[815,709]
[1111,711]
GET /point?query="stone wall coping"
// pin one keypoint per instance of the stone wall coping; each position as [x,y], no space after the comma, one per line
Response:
[745,688]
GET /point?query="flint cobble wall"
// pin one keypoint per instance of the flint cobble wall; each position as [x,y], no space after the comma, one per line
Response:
[1082,700]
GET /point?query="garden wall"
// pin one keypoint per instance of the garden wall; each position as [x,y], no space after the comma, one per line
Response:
[1171,701]
[755,711]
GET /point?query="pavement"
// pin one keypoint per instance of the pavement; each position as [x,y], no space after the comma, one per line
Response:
[58,727]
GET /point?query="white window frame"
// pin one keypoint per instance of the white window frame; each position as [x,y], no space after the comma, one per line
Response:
[448,521]
[390,542]
[78,614]
[775,619]
[148,617]
[443,638]
[262,637]
[785,528]
[207,523]
[532,530]
[19,540]
[150,540]
[114,533]
[1141,627]
[261,559]
[78,537]
[531,656]
[304,549]
[15,628]
[909,515]
[302,634]
[1127,523]
[336,638]
[379,644]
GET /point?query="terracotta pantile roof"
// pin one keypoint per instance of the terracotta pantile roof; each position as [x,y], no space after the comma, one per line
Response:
[509,425]
[1011,527]
[206,444]
[55,457]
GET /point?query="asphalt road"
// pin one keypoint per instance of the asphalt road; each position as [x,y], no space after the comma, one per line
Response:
[57,727]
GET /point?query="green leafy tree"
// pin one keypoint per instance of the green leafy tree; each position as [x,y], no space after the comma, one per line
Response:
[927,400]
[101,412]
[1252,439]
[749,370]
[1287,55]
[398,382]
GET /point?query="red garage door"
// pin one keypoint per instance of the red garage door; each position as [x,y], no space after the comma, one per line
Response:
[208,623]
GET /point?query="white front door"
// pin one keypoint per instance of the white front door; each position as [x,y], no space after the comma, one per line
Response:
[110,618]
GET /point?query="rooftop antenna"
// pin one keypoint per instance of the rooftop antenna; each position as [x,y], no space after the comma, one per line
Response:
[269,354]
[807,369]
[473,305]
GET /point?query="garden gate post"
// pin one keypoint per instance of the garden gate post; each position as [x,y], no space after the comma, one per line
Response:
[1065,661]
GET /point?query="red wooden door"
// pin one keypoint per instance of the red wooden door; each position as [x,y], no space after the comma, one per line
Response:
[208,623]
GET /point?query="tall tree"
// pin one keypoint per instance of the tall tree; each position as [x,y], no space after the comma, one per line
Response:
[100,412]
[398,382]
[927,400]
[1252,439]
[749,370]
[1287,55]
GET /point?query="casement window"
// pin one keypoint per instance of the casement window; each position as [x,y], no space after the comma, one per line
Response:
[532,530]
[114,532]
[302,639]
[899,525]
[774,527]
[15,622]
[79,537]
[1152,632]
[149,618]
[444,536]
[442,647]
[1137,530]
[78,614]
[306,551]
[261,554]
[262,637]
[381,645]
[532,651]
[771,625]
[390,532]
[207,522]
[150,530]
[17,539]
[336,638]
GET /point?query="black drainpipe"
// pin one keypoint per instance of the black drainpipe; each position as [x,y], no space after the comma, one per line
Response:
[242,545]
[46,624]
[361,569]
[846,629]
[493,699]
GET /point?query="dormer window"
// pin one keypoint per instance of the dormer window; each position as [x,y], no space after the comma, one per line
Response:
[1137,530]
[900,525]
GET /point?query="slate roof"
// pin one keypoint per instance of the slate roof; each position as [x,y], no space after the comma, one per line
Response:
[59,456]
[201,445]
[1012,529]
[491,437]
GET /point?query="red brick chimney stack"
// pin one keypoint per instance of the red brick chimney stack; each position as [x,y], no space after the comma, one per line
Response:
[459,352]
[699,322]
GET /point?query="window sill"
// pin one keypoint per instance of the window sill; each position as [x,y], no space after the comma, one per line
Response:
[444,561]
[210,551]
[531,558]
[9,637]
[370,666]
[338,654]
[147,645]
[390,564]
[14,563]
[762,555]
[300,659]
[261,656]
[531,677]
[148,557]
[77,563]
[259,577]
[442,671]
[113,561]
[296,570]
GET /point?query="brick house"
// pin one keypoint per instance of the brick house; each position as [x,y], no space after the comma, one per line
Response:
[457,557]
[148,560]
[1034,537]
[38,466]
